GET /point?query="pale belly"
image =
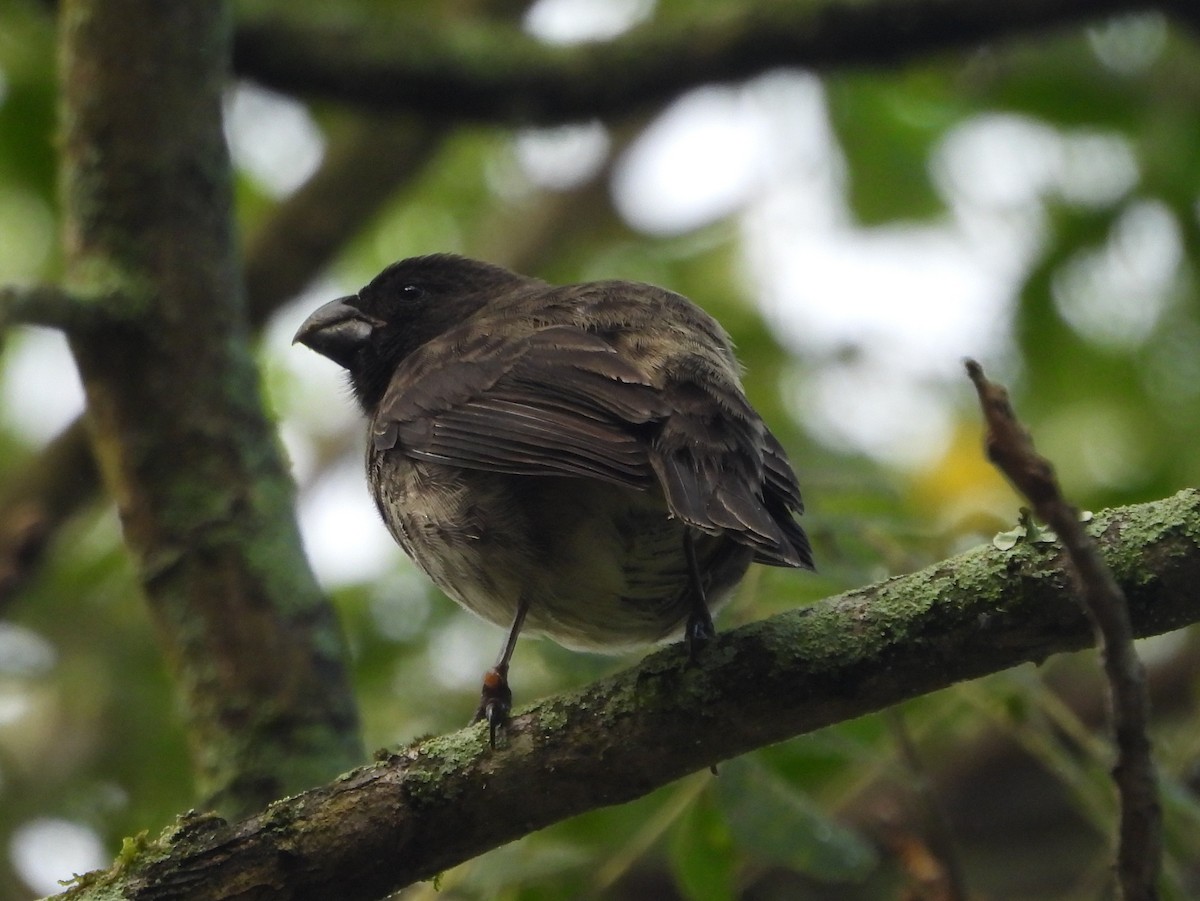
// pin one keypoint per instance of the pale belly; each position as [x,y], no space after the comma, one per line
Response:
[602,567]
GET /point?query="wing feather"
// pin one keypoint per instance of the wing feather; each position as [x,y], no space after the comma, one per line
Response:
[563,401]
[559,402]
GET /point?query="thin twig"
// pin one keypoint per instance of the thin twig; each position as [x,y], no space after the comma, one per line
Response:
[36,502]
[46,305]
[939,832]
[1010,448]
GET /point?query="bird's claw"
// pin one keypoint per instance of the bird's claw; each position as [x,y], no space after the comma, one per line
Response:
[698,631]
[495,702]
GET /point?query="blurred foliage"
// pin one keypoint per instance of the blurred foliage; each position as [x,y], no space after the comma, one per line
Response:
[1104,362]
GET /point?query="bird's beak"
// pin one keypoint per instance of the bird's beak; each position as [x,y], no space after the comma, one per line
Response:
[337,330]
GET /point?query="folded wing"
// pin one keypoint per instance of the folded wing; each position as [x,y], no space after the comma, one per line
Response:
[562,401]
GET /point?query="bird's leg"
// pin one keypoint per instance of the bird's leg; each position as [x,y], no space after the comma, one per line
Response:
[495,701]
[699,627]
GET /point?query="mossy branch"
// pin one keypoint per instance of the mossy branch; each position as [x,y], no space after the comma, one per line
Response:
[174,412]
[488,71]
[51,306]
[446,800]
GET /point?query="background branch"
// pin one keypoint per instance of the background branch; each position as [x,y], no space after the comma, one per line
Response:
[52,487]
[434,804]
[47,305]
[205,500]
[493,72]
[368,161]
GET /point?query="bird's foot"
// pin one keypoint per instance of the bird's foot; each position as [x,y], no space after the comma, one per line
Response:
[495,701]
[698,631]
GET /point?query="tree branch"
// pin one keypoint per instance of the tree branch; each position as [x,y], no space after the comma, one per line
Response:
[206,502]
[1010,447]
[34,505]
[367,162]
[493,72]
[47,305]
[448,799]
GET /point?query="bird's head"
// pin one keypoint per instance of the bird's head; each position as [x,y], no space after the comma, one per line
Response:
[407,305]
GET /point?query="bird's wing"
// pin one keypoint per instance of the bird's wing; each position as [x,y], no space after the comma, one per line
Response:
[722,469]
[781,493]
[560,401]
[564,401]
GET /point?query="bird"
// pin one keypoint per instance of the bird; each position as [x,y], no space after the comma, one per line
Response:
[574,461]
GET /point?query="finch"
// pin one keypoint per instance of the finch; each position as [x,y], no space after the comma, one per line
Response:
[574,461]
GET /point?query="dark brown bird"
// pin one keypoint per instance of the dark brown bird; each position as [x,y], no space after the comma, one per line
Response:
[577,461]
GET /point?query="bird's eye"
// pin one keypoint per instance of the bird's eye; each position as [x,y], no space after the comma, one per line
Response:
[411,292]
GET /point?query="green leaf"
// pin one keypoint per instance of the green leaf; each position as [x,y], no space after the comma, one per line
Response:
[702,853]
[771,820]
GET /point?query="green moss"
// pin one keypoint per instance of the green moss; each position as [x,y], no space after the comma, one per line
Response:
[136,852]
[429,777]
[552,717]
[100,280]
[1143,528]
[134,848]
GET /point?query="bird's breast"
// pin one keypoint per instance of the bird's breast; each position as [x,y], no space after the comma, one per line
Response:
[602,567]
